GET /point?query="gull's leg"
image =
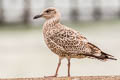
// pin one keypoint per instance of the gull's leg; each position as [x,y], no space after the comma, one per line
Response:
[68,67]
[56,73]
[58,67]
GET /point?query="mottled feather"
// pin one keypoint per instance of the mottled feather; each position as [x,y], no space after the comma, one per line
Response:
[66,42]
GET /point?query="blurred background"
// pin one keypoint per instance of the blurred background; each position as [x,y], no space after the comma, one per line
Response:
[23,52]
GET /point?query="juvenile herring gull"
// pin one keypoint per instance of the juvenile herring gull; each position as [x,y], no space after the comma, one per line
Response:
[66,42]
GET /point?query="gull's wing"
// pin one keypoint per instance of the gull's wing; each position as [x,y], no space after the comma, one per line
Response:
[71,41]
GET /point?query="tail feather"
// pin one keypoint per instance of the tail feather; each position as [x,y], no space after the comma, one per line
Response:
[105,56]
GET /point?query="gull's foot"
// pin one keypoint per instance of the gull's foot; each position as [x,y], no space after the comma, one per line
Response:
[50,76]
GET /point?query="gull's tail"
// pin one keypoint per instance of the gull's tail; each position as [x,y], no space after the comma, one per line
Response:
[106,56]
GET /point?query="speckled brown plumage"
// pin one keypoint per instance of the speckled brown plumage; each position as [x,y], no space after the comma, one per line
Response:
[66,42]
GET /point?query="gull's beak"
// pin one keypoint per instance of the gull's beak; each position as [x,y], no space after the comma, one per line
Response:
[37,16]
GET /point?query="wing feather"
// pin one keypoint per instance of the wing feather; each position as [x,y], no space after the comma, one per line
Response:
[71,41]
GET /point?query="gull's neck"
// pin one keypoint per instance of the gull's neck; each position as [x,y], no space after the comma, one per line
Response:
[51,22]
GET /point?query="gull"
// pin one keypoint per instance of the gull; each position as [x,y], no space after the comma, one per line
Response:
[66,42]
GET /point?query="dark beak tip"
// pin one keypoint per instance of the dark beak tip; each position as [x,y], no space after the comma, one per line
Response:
[37,16]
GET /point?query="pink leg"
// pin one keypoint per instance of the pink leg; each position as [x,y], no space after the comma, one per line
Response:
[58,67]
[56,73]
[68,67]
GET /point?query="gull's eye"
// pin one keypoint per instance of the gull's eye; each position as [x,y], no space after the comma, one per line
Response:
[47,11]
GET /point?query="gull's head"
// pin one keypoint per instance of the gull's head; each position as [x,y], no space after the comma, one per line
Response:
[48,14]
